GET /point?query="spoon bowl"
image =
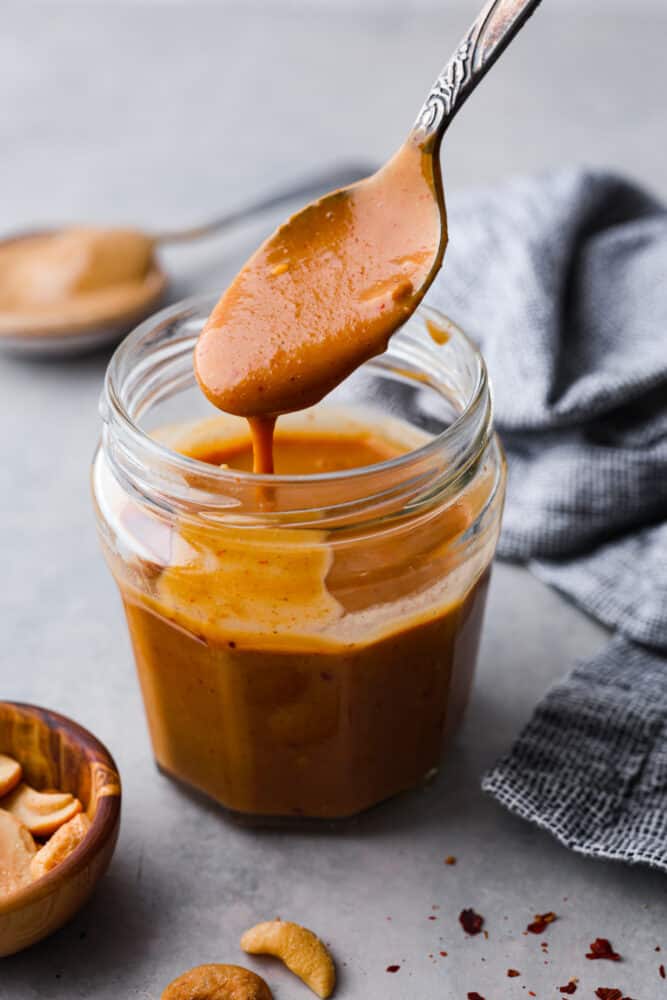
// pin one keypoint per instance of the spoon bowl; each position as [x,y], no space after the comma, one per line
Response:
[325,292]
[54,336]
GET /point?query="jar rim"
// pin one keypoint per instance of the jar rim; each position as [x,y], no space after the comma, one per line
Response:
[115,411]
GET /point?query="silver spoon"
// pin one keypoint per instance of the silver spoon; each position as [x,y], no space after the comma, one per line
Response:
[58,345]
[357,262]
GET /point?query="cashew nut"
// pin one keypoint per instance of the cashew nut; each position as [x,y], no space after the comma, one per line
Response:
[60,845]
[11,773]
[17,849]
[302,952]
[218,982]
[41,812]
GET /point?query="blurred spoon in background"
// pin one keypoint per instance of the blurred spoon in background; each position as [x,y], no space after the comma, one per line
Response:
[69,290]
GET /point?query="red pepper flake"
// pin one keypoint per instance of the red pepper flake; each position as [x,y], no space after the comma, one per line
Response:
[393,968]
[662,972]
[601,948]
[513,973]
[444,954]
[475,996]
[470,921]
[606,993]
[569,988]
[541,922]
[450,860]
[432,917]
[531,994]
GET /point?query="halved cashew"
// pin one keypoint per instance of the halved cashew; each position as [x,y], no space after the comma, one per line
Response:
[41,812]
[17,849]
[218,982]
[302,952]
[11,773]
[60,845]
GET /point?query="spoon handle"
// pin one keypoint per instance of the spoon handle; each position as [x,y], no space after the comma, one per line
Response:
[487,38]
[320,183]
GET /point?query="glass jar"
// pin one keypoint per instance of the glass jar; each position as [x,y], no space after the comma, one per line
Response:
[305,644]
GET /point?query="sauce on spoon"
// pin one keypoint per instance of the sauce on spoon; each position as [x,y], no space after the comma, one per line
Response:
[69,280]
[324,294]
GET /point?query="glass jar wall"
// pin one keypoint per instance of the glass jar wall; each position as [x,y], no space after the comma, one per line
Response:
[304,643]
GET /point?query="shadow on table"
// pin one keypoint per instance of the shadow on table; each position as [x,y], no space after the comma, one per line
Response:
[111,933]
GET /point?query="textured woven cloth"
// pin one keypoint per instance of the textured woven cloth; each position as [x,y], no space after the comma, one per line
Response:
[562,280]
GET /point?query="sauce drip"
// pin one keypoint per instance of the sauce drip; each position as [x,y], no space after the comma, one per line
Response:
[261,432]
[324,294]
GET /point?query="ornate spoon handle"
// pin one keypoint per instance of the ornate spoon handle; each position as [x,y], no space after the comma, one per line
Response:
[488,37]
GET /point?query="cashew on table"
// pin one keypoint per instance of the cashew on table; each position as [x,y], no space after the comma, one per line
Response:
[302,952]
[218,982]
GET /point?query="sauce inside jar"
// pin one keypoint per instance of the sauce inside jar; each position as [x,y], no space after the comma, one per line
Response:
[305,673]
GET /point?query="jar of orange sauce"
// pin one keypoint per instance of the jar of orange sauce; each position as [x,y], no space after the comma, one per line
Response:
[305,642]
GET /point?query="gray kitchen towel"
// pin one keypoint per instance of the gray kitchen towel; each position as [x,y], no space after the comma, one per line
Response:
[562,280]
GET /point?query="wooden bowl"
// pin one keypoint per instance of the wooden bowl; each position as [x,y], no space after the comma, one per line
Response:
[57,753]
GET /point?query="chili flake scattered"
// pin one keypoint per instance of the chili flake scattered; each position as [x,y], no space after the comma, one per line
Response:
[444,954]
[662,972]
[450,860]
[513,973]
[393,968]
[475,996]
[470,921]
[541,922]
[569,988]
[601,948]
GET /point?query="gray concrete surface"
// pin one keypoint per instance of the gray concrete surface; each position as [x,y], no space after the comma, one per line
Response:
[160,115]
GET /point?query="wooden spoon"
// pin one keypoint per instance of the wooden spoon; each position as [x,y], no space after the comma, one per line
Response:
[327,290]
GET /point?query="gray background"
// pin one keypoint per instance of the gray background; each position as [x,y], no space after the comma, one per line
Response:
[160,115]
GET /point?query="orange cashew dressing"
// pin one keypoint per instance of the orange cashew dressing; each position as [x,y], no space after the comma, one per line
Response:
[299,672]
[324,294]
[309,670]
[65,281]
